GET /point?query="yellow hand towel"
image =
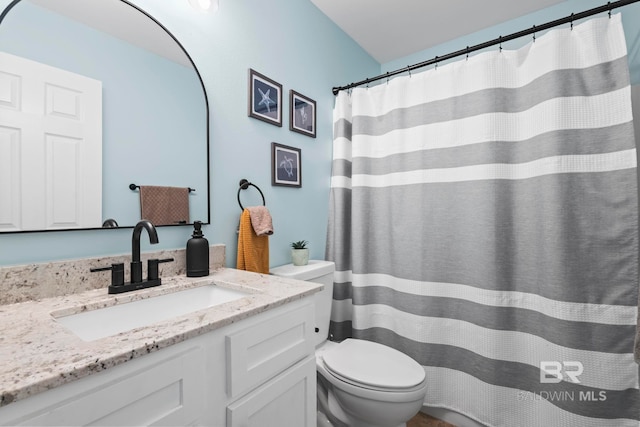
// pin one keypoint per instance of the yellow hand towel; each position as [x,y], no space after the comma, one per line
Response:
[253,250]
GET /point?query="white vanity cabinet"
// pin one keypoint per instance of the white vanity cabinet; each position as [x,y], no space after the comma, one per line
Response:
[259,371]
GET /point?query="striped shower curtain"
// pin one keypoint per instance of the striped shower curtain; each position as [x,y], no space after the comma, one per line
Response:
[483,220]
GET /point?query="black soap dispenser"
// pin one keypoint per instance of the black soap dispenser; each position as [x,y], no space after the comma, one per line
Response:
[197,253]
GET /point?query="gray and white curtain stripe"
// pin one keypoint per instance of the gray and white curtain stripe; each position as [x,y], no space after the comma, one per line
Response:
[483,219]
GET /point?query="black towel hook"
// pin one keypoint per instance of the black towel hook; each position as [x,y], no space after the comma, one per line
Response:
[244,184]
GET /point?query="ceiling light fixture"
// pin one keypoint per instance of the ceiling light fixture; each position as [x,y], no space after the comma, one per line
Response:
[205,6]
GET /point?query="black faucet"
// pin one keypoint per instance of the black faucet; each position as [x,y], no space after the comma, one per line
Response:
[117,270]
[136,264]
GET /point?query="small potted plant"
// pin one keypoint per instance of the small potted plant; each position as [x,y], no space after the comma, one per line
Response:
[300,252]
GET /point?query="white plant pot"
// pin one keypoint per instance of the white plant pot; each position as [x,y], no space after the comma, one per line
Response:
[300,256]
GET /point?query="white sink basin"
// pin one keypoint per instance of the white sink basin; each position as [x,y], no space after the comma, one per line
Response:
[103,322]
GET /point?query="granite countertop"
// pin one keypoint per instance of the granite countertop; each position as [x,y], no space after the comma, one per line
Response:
[37,353]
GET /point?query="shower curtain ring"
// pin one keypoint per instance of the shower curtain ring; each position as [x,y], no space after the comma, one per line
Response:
[500,40]
[436,59]
[387,77]
[609,4]
[409,70]
[571,21]
[467,52]
[534,33]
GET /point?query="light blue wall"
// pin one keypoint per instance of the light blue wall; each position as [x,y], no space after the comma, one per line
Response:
[295,44]
[630,19]
[291,42]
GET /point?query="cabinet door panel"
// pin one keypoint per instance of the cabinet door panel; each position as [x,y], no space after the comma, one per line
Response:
[288,400]
[169,393]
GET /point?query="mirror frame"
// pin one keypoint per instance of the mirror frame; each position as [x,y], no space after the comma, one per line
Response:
[206,102]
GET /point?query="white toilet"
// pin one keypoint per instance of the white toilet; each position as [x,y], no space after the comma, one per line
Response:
[360,383]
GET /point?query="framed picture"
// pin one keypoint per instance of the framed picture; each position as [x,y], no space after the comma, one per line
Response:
[286,165]
[302,117]
[265,98]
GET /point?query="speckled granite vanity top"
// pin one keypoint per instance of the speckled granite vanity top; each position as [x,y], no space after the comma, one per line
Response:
[37,353]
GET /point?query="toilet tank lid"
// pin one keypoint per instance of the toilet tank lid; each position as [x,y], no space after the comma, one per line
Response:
[314,269]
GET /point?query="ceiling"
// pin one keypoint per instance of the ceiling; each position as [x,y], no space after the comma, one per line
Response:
[387,30]
[121,21]
[390,30]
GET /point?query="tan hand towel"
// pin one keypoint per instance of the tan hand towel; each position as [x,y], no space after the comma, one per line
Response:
[164,205]
[253,250]
[261,220]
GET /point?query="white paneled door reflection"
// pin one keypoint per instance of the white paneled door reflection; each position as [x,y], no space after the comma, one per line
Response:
[50,147]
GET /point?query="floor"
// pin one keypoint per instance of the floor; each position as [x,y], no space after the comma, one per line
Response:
[424,420]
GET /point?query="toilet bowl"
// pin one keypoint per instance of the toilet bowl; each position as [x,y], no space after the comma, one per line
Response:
[360,383]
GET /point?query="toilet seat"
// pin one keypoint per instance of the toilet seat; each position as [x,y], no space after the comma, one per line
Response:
[373,366]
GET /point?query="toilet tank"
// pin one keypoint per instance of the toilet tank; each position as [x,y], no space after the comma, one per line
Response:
[319,272]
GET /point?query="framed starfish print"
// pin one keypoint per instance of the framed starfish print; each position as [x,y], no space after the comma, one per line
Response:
[302,114]
[286,165]
[265,98]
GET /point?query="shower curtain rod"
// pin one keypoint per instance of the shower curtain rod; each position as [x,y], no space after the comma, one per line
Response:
[568,19]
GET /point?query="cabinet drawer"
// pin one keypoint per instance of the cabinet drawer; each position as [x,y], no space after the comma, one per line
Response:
[288,400]
[166,392]
[258,353]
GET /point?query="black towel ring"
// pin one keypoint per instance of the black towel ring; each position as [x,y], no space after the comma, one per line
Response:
[244,184]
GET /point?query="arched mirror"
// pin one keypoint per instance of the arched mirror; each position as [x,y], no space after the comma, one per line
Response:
[96,96]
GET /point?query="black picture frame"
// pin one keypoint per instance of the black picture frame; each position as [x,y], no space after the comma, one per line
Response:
[265,98]
[302,114]
[286,165]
